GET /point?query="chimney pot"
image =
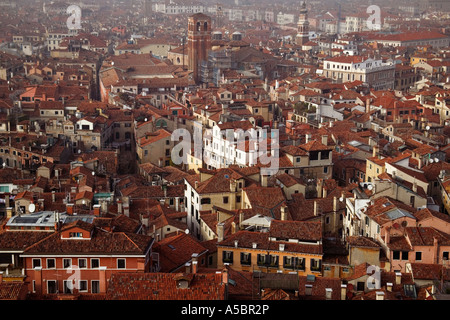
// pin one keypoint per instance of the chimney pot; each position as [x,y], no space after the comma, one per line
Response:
[398,278]
[380,295]
[343,291]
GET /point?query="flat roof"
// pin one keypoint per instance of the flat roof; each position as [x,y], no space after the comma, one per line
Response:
[45,219]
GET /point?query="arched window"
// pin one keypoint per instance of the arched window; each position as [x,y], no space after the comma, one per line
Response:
[205,26]
[198,26]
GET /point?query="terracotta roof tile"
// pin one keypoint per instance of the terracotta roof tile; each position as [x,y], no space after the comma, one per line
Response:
[163,286]
[177,250]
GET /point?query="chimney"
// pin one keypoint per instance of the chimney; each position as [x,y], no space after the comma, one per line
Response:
[56,215]
[319,188]
[328,293]
[389,286]
[263,181]
[1,277]
[194,263]
[398,278]
[104,206]
[225,276]
[414,187]
[69,208]
[7,201]
[387,237]
[233,227]
[220,230]
[335,204]
[241,219]
[188,267]
[343,291]
[367,105]
[316,208]
[436,250]
[375,151]
[283,212]
[53,196]
[126,206]
[380,295]
[97,209]
[119,207]
[9,211]
[325,140]
[196,185]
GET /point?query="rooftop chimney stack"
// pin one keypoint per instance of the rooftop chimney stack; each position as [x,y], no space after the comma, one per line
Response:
[380,295]
[325,140]
[343,291]
[389,286]
[220,230]
[194,263]
[283,212]
[398,278]
[316,208]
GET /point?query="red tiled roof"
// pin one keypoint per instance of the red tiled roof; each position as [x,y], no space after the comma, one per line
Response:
[346,59]
[13,290]
[301,230]
[425,236]
[357,241]
[101,242]
[247,238]
[20,240]
[427,271]
[164,286]
[177,250]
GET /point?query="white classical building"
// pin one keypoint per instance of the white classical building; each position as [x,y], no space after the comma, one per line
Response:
[376,73]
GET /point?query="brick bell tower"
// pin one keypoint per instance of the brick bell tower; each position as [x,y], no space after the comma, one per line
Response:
[303,26]
[199,42]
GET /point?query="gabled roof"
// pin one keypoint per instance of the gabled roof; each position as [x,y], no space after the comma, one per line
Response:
[425,236]
[175,251]
[101,242]
[314,145]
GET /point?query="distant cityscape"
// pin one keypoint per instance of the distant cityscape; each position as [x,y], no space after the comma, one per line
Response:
[235,151]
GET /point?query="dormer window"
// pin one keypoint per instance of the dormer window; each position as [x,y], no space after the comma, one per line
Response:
[75,235]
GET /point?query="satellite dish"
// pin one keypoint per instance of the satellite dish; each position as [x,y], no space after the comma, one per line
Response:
[341,199]
[427,127]
[32,207]
[431,160]
[186,231]
[436,160]
[370,187]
